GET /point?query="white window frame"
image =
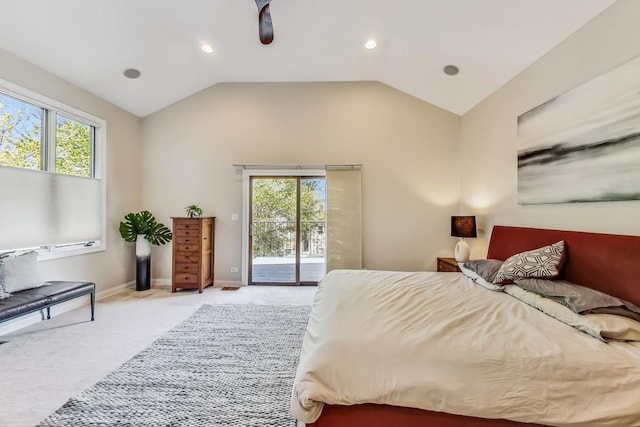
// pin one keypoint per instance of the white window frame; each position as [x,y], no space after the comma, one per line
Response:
[99,161]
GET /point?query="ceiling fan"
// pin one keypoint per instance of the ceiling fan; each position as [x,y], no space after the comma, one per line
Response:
[265,26]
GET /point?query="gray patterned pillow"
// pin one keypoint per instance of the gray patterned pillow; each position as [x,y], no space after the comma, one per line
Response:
[544,262]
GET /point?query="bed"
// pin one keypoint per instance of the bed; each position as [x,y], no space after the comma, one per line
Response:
[349,331]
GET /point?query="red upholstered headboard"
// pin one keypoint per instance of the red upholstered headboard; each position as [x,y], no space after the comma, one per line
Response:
[607,262]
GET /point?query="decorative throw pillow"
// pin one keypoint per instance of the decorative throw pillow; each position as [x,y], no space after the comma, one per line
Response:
[544,262]
[483,272]
[19,272]
[4,255]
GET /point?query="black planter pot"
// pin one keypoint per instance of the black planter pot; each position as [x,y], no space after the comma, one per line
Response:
[143,273]
[143,264]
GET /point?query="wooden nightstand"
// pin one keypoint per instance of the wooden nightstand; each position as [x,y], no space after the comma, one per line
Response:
[449,265]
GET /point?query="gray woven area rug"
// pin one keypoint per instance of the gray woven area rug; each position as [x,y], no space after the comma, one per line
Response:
[227,365]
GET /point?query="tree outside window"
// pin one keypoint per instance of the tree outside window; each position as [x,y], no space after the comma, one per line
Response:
[22,144]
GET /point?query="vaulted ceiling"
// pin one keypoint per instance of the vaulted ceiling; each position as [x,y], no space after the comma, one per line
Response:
[91,43]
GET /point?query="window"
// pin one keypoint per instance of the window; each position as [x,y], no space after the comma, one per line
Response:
[20,133]
[52,183]
[74,147]
[22,145]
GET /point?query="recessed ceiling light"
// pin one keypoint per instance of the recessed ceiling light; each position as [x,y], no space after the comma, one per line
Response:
[132,73]
[206,47]
[451,70]
[370,44]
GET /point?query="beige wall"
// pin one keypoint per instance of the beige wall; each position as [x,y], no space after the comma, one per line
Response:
[488,142]
[116,265]
[408,149]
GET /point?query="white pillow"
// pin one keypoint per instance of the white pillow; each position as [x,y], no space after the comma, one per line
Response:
[478,279]
[19,272]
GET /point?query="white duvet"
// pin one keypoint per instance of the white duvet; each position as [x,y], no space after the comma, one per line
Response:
[438,341]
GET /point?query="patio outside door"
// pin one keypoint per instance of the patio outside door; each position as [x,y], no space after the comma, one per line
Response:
[287,230]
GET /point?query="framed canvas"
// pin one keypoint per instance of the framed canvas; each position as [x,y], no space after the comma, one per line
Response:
[584,145]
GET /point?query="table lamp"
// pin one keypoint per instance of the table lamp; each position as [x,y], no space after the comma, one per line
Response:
[463,226]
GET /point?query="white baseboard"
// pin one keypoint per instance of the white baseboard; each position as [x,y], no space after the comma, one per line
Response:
[30,319]
[161,283]
[115,290]
[229,283]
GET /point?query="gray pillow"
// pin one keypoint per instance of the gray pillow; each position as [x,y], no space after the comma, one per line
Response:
[19,272]
[482,271]
[485,268]
[578,298]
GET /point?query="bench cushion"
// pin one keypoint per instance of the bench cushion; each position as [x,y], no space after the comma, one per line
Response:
[34,299]
[19,303]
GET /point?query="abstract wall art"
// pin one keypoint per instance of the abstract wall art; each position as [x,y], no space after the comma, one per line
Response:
[583,145]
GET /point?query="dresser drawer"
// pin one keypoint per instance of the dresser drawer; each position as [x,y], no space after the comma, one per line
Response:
[186,232]
[185,278]
[448,265]
[185,225]
[186,257]
[184,267]
[187,248]
[187,240]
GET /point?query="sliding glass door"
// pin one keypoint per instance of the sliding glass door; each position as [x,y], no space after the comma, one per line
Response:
[287,230]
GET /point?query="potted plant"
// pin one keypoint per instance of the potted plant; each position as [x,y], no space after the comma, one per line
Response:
[143,229]
[193,211]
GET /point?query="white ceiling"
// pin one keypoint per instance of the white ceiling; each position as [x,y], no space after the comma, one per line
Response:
[91,42]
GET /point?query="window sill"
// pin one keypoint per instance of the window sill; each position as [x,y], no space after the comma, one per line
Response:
[68,252]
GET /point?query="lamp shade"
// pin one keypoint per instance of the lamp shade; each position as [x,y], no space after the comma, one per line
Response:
[463,226]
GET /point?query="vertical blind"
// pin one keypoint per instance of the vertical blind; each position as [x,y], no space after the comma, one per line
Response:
[344,213]
[40,208]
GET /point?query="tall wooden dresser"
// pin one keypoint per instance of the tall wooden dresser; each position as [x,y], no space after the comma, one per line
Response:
[193,249]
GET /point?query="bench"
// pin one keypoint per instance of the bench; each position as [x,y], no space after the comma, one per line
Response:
[44,297]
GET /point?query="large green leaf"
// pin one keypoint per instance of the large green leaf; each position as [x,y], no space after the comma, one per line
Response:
[158,234]
[144,223]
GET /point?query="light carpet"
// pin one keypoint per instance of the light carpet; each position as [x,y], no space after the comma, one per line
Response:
[227,365]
